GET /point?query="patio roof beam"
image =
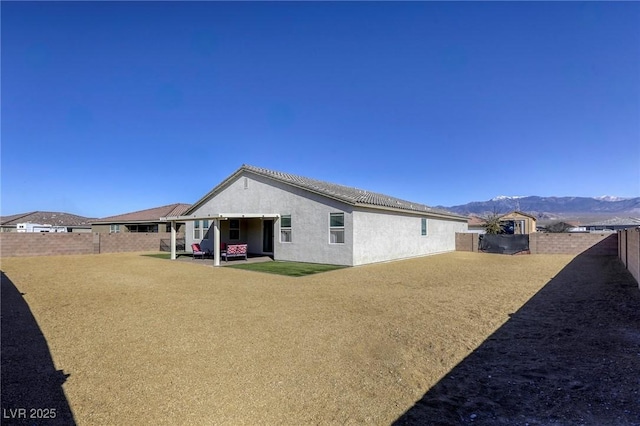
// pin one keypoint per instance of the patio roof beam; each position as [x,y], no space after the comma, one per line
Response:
[222,216]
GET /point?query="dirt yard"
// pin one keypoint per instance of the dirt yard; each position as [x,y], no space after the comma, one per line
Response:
[449,339]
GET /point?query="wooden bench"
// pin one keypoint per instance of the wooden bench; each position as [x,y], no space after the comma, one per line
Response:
[234,250]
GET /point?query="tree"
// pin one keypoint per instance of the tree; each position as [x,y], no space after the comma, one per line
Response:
[558,227]
[492,224]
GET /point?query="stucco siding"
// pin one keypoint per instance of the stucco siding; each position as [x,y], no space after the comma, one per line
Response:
[251,233]
[380,236]
[250,194]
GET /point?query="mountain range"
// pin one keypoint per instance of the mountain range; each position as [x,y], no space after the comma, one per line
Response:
[583,209]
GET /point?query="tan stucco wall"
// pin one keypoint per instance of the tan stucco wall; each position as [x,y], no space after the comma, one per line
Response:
[529,223]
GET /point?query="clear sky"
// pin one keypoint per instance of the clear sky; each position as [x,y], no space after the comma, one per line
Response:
[113,107]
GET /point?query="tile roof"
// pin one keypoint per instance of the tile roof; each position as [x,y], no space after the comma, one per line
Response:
[476,221]
[346,194]
[50,218]
[148,215]
[518,212]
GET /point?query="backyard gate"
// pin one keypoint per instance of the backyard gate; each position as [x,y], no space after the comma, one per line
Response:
[504,243]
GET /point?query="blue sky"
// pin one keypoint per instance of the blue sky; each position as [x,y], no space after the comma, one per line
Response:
[112,107]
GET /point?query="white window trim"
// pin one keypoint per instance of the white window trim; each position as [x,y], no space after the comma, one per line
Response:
[337,228]
[205,230]
[114,229]
[286,229]
[197,228]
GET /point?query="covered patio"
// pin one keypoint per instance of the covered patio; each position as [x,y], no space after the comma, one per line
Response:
[216,220]
[207,261]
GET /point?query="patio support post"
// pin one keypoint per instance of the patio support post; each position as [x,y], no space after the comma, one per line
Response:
[173,240]
[216,242]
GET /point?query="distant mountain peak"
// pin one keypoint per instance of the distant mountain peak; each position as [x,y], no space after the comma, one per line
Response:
[553,206]
[610,198]
[507,197]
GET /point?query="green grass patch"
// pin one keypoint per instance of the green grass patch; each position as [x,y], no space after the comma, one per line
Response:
[159,255]
[164,255]
[291,269]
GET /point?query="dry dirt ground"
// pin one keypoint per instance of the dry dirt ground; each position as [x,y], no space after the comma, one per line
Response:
[459,338]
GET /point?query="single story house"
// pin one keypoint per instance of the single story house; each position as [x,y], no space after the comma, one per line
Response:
[514,222]
[72,222]
[147,220]
[517,222]
[476,224]
[612,224]
[295,218]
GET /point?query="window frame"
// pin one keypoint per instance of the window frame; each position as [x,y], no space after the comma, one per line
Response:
[205,229]
[286,230]
[336,229]
[232,229]
[114,228]
[197,230]
[143,228]
[424,227]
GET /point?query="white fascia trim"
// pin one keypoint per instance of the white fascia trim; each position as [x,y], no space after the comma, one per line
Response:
[222,216]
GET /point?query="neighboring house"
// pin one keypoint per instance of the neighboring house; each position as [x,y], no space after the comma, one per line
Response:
[72,222]
[518,223]
[476,225]
[295,218]
[141,221]
[613,224]
[514,222]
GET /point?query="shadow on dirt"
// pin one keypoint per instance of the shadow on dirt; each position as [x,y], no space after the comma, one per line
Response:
[569,356]
[31,386]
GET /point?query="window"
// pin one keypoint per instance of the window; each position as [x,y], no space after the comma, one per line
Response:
[234,229]
[285,228]
[200,229]
[142,228]
[336,228]
[114,229]
[205,229]
[424,226]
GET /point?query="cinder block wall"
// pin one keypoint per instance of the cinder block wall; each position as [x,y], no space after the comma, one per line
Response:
[630,251]
[44,244]
[564,243]
[574,243]
[14,244]
[622,247]
[131,241]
